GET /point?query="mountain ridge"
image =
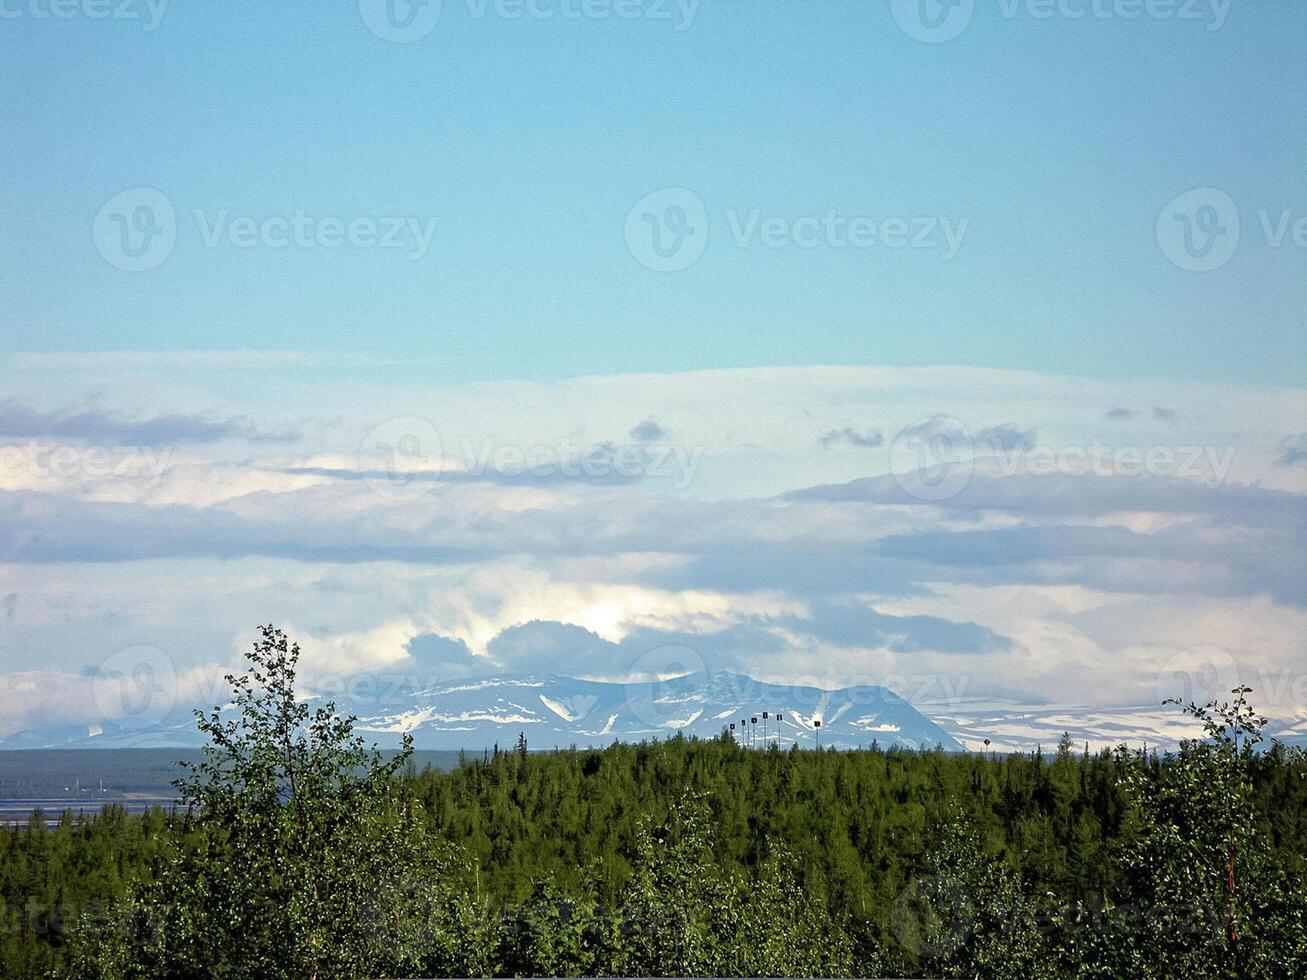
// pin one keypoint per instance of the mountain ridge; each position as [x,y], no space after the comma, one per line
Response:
[555,710]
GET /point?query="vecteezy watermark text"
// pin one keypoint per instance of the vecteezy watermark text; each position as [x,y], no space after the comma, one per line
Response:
[934,459]
[404,458]
[572,459]
[834,230]
[668,230]
[148,12]
[1206,464]
[137,230]
[679,13]
[406,21]
[68,462]
[936,21]
[302,230]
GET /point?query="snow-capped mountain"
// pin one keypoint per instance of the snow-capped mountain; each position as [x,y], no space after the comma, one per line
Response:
[1016,726]
[560,711]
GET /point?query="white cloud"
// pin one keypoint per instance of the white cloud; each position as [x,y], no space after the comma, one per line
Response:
[1092,581]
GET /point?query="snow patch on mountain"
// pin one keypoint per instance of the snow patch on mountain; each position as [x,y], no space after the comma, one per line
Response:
[566,711]
[684,722]
[557,709]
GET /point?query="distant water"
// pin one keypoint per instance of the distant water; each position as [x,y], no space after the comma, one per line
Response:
[19,812]
[84,780]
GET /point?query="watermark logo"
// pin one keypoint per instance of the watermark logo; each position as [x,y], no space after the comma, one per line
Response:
[135,231]
[667,231]
[400,21]
[1199,674]
[933,916]
[1198,231]
[136,687]
[400,459]
[932,21]
[649,696]
[579,705]
[932,459]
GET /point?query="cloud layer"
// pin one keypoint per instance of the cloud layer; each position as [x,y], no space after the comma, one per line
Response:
[19,421]
[981,533]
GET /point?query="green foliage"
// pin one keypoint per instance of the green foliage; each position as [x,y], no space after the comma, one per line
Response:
[677,915]
[302,853]
[306,861]
[969,916]
[772,925]
[1207,895]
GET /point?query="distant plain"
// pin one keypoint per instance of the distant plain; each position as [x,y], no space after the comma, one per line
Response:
[85,780]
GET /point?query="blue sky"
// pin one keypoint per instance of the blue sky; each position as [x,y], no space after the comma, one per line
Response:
[965,365]
[528,140]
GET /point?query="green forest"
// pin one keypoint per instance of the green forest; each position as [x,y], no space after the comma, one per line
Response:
[302,853]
